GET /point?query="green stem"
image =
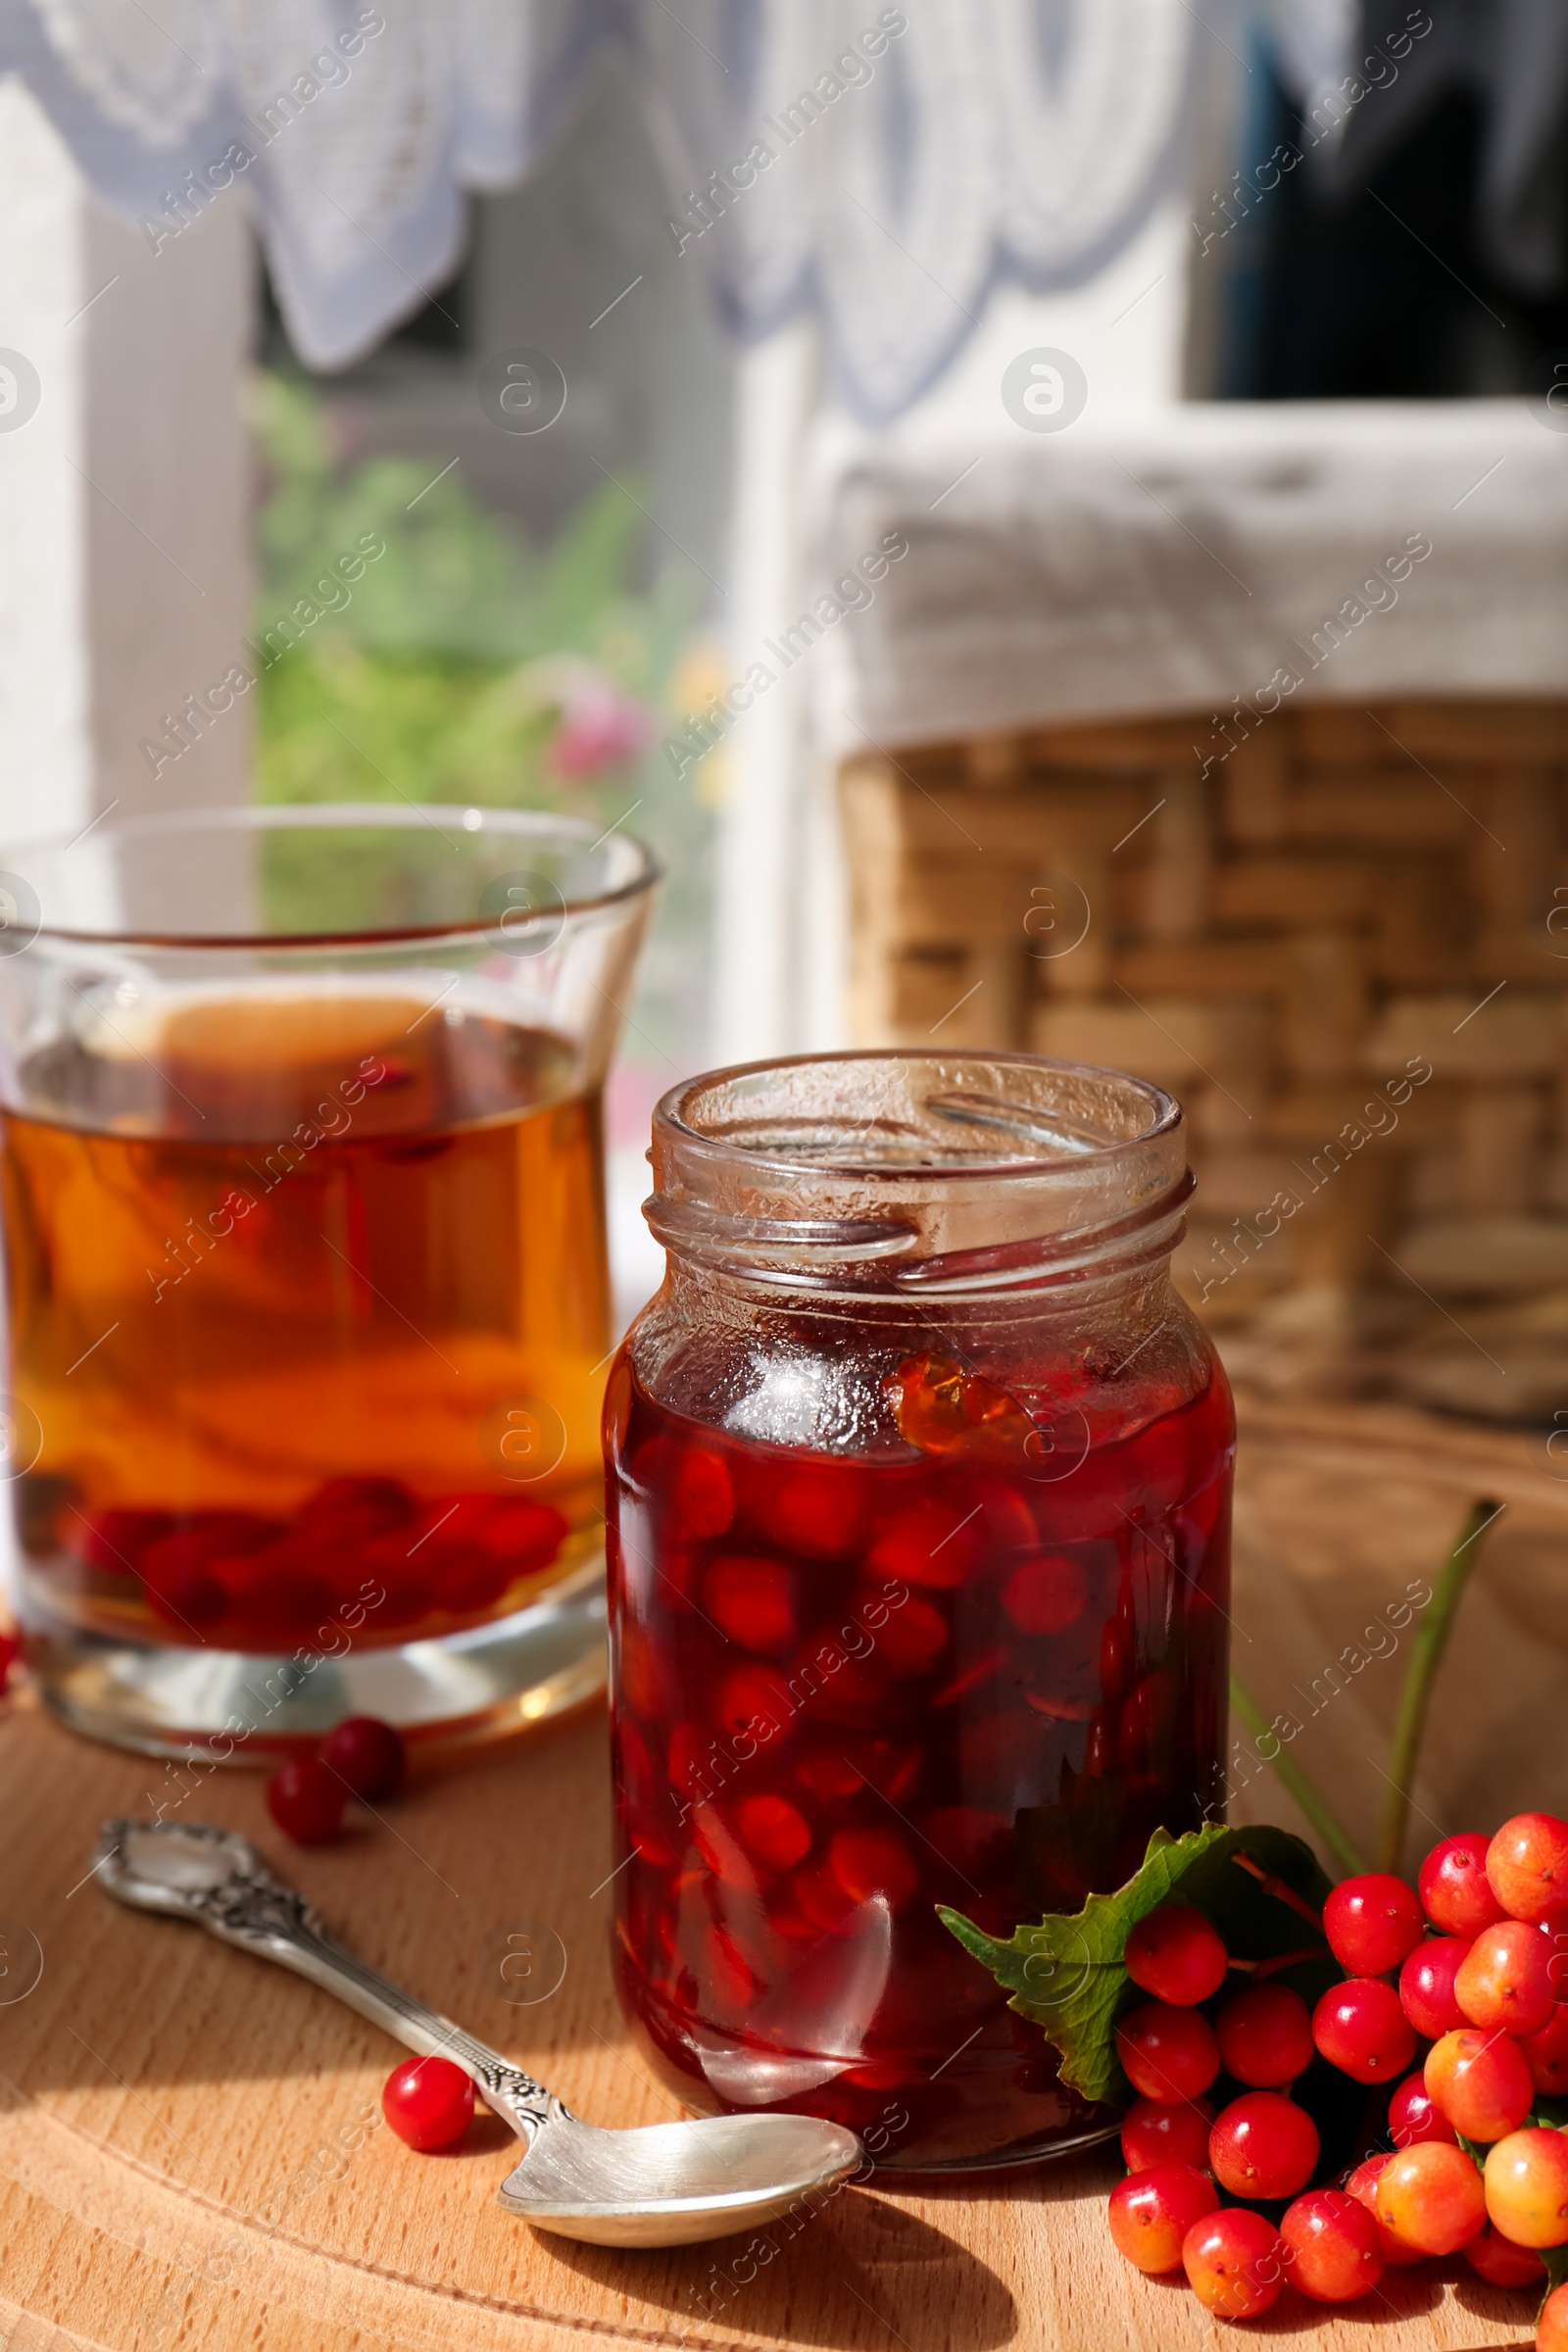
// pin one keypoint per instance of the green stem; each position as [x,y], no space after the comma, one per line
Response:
[1426,1656]
[1316,1808]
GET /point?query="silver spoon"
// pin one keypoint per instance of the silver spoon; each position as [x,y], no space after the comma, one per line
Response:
[665,2185]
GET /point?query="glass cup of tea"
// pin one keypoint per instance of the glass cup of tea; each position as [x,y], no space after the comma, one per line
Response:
[307,1305]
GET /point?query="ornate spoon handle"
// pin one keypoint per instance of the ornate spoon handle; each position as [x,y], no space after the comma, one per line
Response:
[190,1870]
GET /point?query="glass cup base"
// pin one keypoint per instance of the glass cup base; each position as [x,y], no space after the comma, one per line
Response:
[452,1691]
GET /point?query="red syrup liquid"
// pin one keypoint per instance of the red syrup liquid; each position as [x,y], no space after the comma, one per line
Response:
[976,1672]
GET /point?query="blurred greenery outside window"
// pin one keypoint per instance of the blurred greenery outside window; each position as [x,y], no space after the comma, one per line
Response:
[468,665]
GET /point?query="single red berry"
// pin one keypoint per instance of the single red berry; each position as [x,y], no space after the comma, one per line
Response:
[1526,2182]
[1551,2327]
[1331,2247]
[1527,1865]
[1265,2036]
[1262,2147]
[1362,2185]
[1371,1923]
[1175,1954]
[428,2102]
[1412,2116]
[1360,2028]
[1481,2081]
[1432,2197]
[1426,1987]
[1506,1981]
[1454,1890]
[1235,2262]
[1546,2055]
[1152,2212]
[367,1753]
[1554,1928]
[1167,2053]
[1501,2263]
[305,1801]
[1167,2131]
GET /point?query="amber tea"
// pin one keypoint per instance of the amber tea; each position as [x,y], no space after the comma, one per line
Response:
[308,1310]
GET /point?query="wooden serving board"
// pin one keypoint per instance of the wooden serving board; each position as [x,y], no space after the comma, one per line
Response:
[189,2153]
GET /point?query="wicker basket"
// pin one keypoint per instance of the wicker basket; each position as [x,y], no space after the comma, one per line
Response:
[1343,943]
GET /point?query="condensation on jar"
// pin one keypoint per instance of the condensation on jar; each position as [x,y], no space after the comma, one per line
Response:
[919,1505]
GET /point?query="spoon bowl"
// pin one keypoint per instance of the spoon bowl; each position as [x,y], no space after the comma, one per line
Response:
[671,2184]
[662,2184]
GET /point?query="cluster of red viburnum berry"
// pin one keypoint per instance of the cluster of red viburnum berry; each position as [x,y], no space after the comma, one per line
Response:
[1477,1969]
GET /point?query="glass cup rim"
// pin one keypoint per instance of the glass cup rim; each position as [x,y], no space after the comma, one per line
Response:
[535,824]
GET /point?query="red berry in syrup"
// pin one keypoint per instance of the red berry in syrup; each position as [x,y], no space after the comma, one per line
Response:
[1235,2262]
[754,1702]
[818,1510]
[1262,2147]
[1414,2118]
[751,1601]
[873,1862]
[1177,1955]
[1527,1865]
[1166,2052]
[428,2102]
[1265,2036]
[1152,2212]
[1045,1597]
[1371,1923]
[1506,1981]
[701,1491]
[1167,2131]
[913,1638]
[305,1799]
[928,1544]
[1360,2028]
[1331,2247]
[367,1753]
[773,1829]
[1454,1890]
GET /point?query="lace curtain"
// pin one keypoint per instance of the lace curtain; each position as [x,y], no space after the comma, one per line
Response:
[882,164]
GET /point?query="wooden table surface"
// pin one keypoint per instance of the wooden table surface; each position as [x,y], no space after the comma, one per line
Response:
[191,2151]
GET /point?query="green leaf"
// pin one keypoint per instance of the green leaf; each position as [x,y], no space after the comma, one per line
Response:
[1555,2259]
[1069,1976]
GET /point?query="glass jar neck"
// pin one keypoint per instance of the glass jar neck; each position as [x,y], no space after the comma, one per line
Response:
[915,1178]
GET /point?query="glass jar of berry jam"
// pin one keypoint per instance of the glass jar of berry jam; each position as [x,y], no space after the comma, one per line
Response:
[920,1503]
